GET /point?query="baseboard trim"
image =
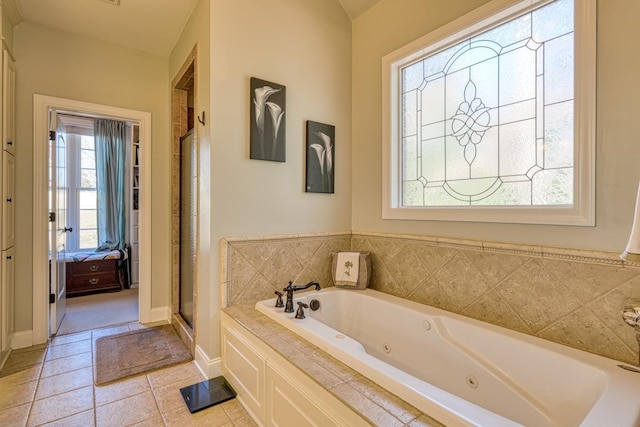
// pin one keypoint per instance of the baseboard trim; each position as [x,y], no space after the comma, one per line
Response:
[22,339]
[210,368]
[160,314]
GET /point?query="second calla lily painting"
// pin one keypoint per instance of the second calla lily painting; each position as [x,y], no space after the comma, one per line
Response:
[320,157]
[268,130]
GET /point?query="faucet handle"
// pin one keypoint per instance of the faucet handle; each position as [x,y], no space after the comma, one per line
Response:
[279,302]
[300,312]
[289,287]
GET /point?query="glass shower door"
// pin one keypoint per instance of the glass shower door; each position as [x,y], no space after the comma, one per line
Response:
[188,224]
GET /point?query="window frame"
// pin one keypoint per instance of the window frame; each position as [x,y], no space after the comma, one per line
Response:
[494,13]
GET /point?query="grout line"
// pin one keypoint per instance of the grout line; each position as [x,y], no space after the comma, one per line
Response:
[35,391]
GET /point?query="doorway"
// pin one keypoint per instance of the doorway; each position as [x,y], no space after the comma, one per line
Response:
[43,105]
[95,177]
[184,186]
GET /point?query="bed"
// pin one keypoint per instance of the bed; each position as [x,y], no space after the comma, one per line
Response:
[92,272]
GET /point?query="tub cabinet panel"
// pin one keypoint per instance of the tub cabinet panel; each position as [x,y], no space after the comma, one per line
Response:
[244,368]
[291,404]
[274,391]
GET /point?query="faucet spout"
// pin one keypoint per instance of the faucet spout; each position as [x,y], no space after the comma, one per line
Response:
[307,286]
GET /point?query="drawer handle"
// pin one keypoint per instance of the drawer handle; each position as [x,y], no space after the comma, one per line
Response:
[94,268]
[94,281]
[9,142]
[9,200]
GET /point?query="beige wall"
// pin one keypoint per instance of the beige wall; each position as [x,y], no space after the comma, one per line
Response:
[59,64]
[391,24]
[306,46]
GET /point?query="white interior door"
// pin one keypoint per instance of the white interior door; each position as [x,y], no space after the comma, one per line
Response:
[58,230]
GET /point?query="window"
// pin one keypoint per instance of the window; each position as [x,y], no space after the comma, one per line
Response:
[83,213]
[492,118]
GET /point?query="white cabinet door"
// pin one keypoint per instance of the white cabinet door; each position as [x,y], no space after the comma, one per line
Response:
[8,299]
[245,371]
[8,200]
[290,406]
[8,103]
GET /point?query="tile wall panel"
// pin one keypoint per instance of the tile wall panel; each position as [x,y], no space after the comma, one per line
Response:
[568,296]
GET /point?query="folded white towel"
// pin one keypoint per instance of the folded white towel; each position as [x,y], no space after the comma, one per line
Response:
[347,264]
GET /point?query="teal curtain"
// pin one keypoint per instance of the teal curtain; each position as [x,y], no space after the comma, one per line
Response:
[110,143]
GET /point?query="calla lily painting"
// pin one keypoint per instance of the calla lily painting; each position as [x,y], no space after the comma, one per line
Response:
[320,157]
[267,106]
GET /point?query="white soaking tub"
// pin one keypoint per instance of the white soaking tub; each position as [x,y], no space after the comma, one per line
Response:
[464,372]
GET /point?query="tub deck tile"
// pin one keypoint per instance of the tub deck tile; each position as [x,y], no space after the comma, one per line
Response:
[321,375]
[367,407]
[392,404]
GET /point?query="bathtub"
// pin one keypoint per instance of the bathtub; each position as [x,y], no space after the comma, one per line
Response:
[464,372]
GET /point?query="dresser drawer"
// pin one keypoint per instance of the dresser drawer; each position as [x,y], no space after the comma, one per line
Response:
[96,280]
[93,267]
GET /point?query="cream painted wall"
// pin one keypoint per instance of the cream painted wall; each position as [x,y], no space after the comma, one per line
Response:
[55,63]
[306,46]
[7,29]
[391,24]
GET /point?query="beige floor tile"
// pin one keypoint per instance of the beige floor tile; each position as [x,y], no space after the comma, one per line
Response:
[22,376]
[17,395]
[83,419]
[233,409]
[127,411]
[21,359]
[173,374]
[247,421]
[67,339]
[61,406]
[67,364]
[121,390]
[66,350]
[63,383]
[16,416]
[210,417]
[169,396]
[151,422]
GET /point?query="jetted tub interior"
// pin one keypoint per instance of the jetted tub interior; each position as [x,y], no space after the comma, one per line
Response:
[462,371]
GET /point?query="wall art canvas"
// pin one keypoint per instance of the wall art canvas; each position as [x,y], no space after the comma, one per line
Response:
[321,149]
[268,130]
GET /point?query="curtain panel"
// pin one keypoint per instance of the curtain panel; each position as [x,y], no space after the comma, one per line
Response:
[110,143]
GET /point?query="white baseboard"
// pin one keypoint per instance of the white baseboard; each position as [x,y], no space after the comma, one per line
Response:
[22,339]
[210,368]
[160,314]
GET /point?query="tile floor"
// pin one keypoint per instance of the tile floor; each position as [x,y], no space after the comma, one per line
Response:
[52,385]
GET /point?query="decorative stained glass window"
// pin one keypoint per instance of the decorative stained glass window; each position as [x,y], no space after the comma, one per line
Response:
[488,120]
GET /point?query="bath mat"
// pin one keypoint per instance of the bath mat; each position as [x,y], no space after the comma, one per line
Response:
[133,353]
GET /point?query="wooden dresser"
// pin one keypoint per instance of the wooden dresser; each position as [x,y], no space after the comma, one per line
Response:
[92,276]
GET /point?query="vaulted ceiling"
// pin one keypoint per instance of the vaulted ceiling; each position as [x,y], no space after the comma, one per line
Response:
[151,26]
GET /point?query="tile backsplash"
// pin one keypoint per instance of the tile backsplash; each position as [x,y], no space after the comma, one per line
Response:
[572,297]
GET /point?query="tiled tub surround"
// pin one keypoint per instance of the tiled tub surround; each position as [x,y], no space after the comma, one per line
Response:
[571,297]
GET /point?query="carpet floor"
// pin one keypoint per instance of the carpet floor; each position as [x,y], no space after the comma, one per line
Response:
[99,310]
[136,352]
